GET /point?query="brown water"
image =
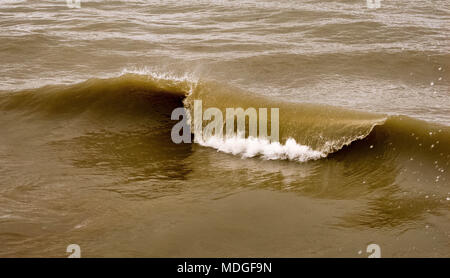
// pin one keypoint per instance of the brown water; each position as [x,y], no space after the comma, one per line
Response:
[86,155]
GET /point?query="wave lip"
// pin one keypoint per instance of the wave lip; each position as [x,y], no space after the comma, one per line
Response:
[251,147]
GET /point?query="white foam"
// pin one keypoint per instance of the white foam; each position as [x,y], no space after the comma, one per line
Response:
[251,147]
[161,75]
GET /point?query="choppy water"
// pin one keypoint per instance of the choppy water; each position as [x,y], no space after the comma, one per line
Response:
[86,156]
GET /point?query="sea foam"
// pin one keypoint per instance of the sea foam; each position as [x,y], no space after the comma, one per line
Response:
[251,147]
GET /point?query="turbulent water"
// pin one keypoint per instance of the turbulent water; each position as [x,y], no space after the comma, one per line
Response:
[86,156]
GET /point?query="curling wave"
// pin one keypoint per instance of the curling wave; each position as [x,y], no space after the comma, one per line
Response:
[307,131]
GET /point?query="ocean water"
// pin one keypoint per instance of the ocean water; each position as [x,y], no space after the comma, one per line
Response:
[86,156]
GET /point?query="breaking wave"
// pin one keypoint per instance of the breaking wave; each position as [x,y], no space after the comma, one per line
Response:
[307,131]
[251,147]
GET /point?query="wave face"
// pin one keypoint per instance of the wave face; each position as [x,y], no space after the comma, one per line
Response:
[307,131]
[320,127]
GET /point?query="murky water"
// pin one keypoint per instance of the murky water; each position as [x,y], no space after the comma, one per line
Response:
[86,155]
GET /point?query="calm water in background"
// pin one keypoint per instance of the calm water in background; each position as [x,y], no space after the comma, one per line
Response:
[85,151]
